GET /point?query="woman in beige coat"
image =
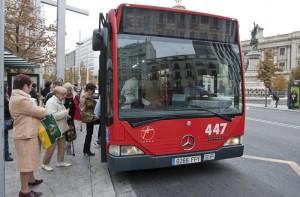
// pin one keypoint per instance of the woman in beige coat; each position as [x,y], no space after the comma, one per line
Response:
[56,107]
[26,115]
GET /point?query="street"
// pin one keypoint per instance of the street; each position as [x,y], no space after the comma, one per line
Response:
[269,167]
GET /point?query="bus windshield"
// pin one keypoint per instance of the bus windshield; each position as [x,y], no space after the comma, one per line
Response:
[165,77]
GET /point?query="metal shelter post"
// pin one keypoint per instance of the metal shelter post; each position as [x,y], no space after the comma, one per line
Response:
[79,59]
[2,162]
[60,38]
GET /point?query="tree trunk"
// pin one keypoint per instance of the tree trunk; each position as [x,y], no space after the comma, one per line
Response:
[17,39]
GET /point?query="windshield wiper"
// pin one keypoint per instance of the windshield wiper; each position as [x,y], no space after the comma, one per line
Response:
[215,113]
[167,117]
[150,120]
[136,124]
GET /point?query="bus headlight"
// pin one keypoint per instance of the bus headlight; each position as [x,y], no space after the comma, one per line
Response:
[130,150]
[233,141]
[124,150]
[114,150]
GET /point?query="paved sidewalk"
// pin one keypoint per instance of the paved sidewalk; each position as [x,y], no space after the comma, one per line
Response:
[279,107]
[87,177]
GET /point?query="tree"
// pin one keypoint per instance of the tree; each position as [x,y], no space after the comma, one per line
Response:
[295,74]
[68,76]
[279,83]
[83,73]
[20,70]
[267,69]
[49,77]
[26,33]
[91,76]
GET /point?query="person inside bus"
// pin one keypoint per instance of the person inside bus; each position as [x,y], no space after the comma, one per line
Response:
[222,88]
[130,90]
[154,89]
[192,91]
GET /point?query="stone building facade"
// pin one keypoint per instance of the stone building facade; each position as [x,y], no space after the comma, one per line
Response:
[286,48]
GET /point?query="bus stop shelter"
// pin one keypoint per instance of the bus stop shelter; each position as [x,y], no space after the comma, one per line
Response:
[11,61]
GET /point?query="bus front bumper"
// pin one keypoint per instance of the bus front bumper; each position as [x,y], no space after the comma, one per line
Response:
[138,162]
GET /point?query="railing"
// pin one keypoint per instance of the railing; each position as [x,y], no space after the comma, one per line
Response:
[261,94]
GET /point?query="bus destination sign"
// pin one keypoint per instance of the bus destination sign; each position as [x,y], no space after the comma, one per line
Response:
[177,24]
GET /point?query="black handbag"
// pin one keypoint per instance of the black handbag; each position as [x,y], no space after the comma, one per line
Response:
[70,134]
[8,124]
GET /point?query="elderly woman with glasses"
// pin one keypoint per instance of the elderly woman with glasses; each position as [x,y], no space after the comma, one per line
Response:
[56,107]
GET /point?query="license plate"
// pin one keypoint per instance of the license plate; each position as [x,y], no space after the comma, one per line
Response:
[186,160]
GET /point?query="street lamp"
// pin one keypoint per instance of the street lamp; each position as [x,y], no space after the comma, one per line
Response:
[79,59]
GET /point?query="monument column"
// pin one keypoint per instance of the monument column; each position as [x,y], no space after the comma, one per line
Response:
[253,60]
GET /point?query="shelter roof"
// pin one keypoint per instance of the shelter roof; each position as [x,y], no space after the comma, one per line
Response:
[14,61]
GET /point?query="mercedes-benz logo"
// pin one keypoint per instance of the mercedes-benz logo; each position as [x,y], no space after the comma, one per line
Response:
[188,123]
[188,142]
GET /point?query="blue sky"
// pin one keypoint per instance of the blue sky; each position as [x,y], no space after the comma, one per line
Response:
[276,17]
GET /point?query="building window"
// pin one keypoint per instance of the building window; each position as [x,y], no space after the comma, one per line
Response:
[188,65]
[282,66]
[282,51]
[298,48]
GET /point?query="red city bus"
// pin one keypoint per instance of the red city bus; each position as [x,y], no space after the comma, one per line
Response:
[171,85]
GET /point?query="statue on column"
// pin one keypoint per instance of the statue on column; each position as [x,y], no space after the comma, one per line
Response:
[254,40]
[178,5]
[253,56]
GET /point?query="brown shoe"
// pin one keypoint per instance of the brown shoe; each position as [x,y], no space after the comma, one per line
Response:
[36,182]
[30,194]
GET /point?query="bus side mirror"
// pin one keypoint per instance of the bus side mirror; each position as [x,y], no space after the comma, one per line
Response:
[100,38]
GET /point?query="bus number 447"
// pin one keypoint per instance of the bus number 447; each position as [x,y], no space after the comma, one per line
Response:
[217,128]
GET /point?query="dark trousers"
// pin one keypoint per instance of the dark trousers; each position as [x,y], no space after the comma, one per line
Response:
[88,137]
[293,105]
[276,102]
[6,147]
